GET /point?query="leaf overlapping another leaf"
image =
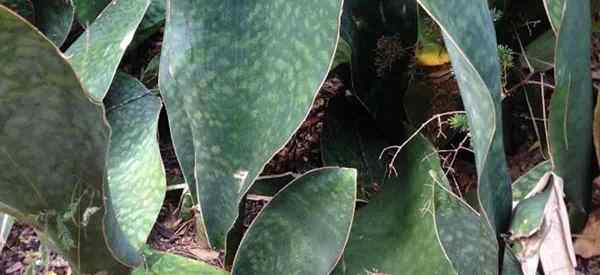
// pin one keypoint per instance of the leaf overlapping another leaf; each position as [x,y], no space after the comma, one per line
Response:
[238,78]
[53,142]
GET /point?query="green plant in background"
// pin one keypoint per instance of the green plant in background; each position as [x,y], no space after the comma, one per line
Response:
[78,135]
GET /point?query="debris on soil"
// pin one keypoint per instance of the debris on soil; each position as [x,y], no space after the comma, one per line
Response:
[23,249]
[173,234]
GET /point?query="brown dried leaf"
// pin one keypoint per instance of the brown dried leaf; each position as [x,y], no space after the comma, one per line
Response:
[588,244]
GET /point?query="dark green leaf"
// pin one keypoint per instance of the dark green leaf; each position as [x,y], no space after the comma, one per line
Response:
[270,185]
[471,42]
[159,263]
[97,53]
[529,216]
[415,225]
[571,106]
[525,183]
[350,139]
[22,7]
[88,10]
[540,52]
[152,22]
[554,8]
[136,177]
[304,229]
[53,145]
[238,78]
[54,18]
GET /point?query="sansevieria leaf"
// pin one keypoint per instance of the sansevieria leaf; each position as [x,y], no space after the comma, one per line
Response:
[54,18]
[97,53]
[304,229]
[88,10]
[53,144]
[470,38]
[238,78]
[571,106]
[160,263]
[416,225]
[136,177]
[554,8]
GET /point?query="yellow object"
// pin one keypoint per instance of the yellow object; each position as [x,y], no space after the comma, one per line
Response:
[432,55]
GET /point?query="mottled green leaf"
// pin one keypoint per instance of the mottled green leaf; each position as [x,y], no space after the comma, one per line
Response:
[23,7]
[152,22]
[238,78]
[53,143]
[554,8]
[97,53]
[350,139]
[136,177]
[6,224]
[88,10]
[159,263]
[571,106]
[395,233]
[415,225]
[54,18]
[270,185]
[525,183]
[510,265]
[304,229]
[470,38]
[529,216]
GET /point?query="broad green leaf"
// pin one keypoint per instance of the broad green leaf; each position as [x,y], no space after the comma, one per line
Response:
[136,177]
[346,131]
[470,38]
[159,263]
[525,183]
[152,22]
[6,224]
[270,185]
[54,18]
[22,7]
[529,216]
[510,265]
[304,229]
[97,53]
[571,107]
[238,78]
[415,225]
[53,143]
[88,10]
[554,8]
